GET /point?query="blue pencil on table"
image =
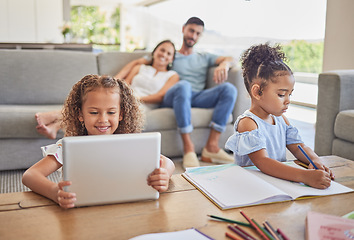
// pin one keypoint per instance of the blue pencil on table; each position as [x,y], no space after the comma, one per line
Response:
[307,156]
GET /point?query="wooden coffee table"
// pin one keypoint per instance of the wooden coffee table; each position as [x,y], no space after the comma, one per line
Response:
[26,215]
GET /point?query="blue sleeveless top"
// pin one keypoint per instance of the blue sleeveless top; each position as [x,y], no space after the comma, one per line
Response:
[273,138]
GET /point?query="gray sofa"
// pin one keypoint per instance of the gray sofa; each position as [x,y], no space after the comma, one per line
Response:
[39,80]
[335,114]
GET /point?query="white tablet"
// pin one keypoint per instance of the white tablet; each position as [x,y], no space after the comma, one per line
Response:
[106,169]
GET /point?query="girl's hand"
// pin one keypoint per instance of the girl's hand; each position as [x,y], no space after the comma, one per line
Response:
[65,199]
[322,167]
[159,179]
[317,178]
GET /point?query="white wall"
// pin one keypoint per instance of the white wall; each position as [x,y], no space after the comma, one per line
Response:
[3,20]
[339,35]
[31,20]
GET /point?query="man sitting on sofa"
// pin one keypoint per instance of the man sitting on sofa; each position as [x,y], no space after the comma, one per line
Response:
[189,92]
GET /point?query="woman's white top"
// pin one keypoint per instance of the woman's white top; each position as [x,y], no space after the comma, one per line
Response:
[148,81]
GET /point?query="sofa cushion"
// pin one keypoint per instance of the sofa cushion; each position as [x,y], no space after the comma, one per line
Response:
[110,63]
[41,77]
[344,125]
[18,121]
[164,119]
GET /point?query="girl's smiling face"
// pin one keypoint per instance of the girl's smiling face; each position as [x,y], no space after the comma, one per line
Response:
[100,111]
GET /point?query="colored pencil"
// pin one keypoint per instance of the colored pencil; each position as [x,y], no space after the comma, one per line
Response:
[231,236]
[244,232]
[282,234]
[302,164]
[260,232]
[271,230]
[230,221]
[307,156]
[269,237]
[238,232]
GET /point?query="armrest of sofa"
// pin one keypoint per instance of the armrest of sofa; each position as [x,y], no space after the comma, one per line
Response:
[243,101]
[335,94]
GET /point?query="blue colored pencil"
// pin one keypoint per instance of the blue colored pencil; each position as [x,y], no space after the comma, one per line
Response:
[307,156]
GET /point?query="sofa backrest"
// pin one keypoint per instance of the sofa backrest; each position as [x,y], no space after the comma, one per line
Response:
[110,63]
[41,76]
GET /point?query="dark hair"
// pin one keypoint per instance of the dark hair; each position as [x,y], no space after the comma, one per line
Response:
[263,62]
[194,20]
[132,121]
[158,45]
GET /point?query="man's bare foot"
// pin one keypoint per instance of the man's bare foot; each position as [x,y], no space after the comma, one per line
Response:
[50,130]
[46,118]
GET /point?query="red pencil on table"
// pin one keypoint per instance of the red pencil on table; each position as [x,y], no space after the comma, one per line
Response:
[260,232]
[244,232]
[239,232]
[282,234]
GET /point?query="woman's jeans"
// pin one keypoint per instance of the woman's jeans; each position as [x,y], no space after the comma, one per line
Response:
[181,98]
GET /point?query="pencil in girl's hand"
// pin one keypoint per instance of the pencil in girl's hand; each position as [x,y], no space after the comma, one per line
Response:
[307,156]
[230,220]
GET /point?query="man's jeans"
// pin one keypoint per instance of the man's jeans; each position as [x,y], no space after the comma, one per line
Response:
[181,98]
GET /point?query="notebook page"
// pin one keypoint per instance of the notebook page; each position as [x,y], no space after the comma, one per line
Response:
[232,186]
[189,234]
[295,189]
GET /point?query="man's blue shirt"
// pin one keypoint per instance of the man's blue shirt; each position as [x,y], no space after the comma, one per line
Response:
[194,68]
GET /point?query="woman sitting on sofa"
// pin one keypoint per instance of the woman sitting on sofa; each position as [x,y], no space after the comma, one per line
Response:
[149,82]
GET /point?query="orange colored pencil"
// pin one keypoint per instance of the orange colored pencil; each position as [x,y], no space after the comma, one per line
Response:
[229,235]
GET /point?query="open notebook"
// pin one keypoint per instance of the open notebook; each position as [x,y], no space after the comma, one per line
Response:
[232,186]
[111,168]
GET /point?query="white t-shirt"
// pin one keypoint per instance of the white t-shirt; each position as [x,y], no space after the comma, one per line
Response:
[55,150]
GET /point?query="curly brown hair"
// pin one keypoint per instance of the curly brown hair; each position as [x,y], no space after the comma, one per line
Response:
[130,106]
[265,63]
